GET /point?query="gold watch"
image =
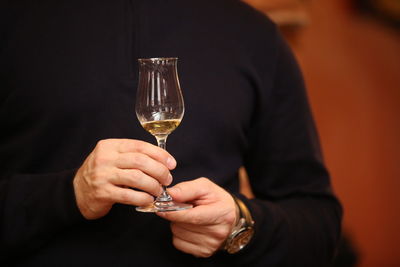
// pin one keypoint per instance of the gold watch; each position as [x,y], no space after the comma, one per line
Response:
[243,230]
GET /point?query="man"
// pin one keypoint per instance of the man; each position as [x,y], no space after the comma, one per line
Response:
[75,161]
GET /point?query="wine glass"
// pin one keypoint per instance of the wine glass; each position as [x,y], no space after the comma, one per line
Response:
[160,108]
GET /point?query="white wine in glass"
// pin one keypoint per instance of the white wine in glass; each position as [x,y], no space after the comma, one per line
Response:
[160,108]
[164,127]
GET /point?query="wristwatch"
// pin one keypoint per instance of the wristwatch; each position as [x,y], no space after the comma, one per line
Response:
[243,230]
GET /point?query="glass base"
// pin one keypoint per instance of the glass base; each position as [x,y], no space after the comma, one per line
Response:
[163,206]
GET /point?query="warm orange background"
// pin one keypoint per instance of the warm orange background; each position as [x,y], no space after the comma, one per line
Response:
[351,64]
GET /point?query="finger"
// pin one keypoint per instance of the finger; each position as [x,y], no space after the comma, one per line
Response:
[193,249]
[145,164]
[199,229]
[199,215]
[212,204]
[129,196]
[193,233]
[136,179]
[195,190]
[158,154]
[201,239]
[210,235]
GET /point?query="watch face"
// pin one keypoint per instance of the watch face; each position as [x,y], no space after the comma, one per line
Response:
[240,240]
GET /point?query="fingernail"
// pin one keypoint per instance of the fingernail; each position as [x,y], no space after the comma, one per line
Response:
[171,163]
[161,191]
[169,180]
[171,190]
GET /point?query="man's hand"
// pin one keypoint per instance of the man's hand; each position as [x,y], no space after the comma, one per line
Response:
[202,230]
[113,168]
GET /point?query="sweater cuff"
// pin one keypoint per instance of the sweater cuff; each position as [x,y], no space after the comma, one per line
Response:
[268,238]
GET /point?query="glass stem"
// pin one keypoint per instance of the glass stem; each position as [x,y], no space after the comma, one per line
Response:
[164,197]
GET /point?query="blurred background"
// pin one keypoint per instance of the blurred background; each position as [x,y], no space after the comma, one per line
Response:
[349,51]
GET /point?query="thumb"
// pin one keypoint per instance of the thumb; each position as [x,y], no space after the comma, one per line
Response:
[191,190]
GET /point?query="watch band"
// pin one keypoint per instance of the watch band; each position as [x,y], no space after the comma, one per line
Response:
[242,232]
[244,211]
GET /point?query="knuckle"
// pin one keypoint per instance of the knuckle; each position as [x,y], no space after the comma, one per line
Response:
[230,218]
[99,194]
[206,252]
[175,229]
[196,219]
[143,199]
[102,144]
[99,144]
[139,146]
[138,160]
[204,182]
[155,188]
[126,196]
[135,175]
[164,173]
[221,234]
[175,242]
[96,177]
[99,158]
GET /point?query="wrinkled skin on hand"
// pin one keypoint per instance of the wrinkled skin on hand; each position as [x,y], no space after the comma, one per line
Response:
[114,169]
[202,230]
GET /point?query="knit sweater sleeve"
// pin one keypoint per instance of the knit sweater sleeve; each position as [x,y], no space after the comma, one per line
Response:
[297,217]
[34,208]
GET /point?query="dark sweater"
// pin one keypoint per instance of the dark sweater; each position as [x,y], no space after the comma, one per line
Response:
[68,76]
